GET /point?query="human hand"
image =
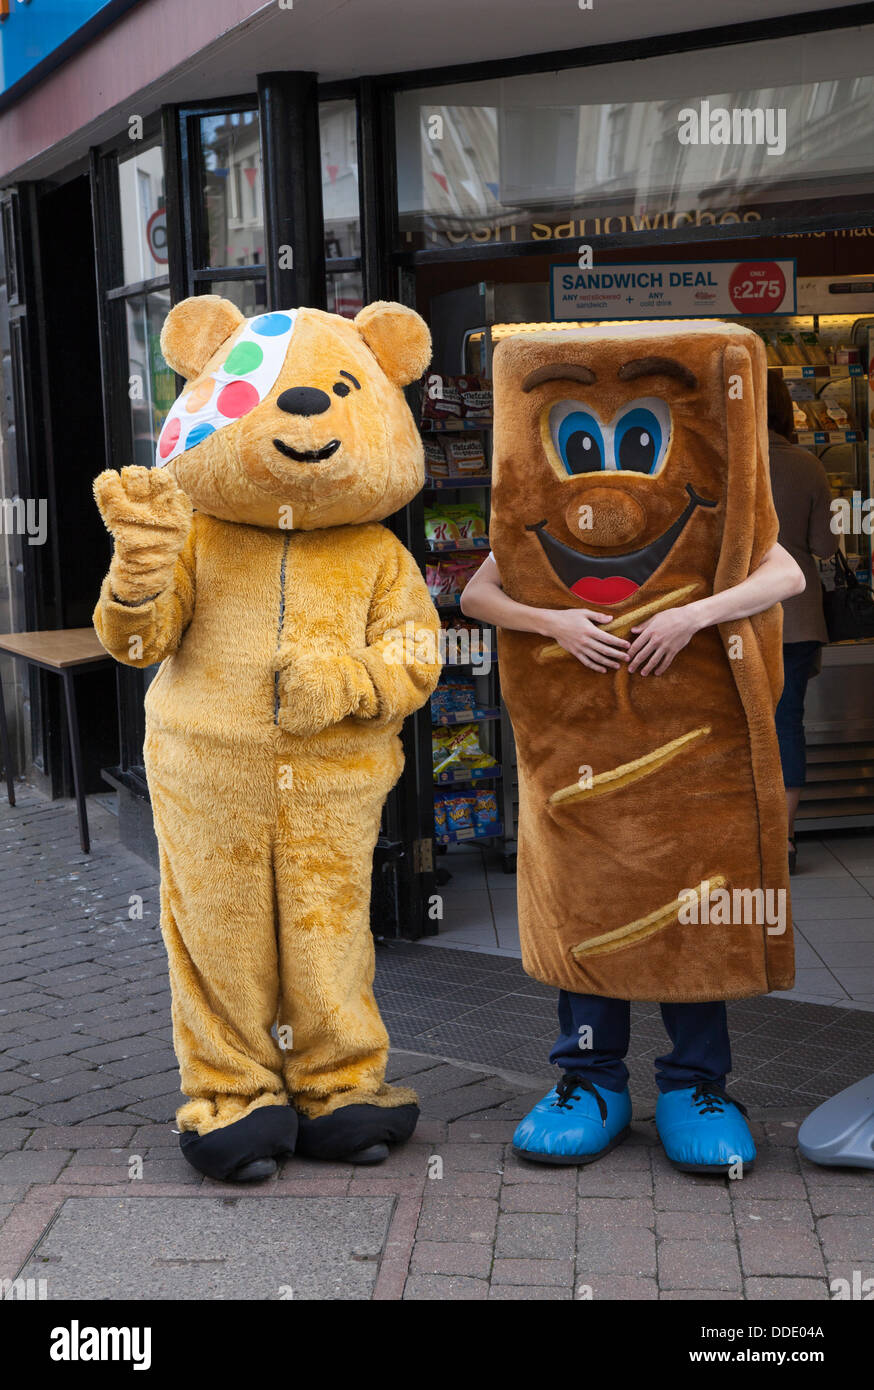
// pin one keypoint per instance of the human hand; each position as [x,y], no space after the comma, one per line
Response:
[579,631]
[149,517]
[660,638]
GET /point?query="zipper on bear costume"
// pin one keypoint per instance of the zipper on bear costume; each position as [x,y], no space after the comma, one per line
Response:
[280,625]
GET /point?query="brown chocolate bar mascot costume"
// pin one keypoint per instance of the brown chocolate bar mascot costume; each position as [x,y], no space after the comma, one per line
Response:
[635,579]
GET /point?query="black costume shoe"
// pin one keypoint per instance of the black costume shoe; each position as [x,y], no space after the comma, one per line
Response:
[356,1133]
[247,1150]
[256,1171]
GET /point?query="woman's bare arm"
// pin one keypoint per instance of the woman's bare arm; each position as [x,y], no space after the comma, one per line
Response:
[575,629]
[660,638]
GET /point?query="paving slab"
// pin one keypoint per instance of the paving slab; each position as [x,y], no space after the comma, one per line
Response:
[281,1248]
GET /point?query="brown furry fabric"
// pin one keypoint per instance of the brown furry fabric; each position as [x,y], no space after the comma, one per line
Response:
[667,783]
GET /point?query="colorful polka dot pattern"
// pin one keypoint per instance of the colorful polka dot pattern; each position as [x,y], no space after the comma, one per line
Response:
[232,389]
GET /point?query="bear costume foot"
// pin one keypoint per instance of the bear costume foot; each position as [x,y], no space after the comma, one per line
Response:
[247,1150]
[356,1133]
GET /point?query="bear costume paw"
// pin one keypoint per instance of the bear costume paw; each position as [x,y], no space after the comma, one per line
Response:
[356,1133]
[247,1150]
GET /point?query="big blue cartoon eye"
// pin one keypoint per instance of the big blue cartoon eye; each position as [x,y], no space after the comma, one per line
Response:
[577,437]
[641,436]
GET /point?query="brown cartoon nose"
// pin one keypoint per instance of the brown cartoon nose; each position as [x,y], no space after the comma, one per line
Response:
[605,518]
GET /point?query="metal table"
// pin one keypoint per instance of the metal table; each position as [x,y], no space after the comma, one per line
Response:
[66,652]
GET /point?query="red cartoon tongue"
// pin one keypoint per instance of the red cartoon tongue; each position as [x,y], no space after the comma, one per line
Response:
[605,591]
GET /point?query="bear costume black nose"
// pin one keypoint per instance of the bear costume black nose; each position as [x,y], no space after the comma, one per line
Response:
[304,400]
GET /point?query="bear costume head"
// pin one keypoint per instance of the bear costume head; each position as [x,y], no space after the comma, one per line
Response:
[296,418]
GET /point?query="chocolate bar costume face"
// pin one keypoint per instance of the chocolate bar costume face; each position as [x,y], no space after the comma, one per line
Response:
[630,477]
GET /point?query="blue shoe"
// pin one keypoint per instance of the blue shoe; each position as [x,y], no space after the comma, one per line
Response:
[703,1130]
[576,1122]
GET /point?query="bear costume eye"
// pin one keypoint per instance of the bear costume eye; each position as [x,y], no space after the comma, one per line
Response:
[341,389]
[641,436]
[577,437]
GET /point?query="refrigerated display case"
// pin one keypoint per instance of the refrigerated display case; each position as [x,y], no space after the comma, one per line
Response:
[833,389]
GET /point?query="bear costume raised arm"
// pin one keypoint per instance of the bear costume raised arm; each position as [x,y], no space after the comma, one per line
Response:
[251,563]
[631,476]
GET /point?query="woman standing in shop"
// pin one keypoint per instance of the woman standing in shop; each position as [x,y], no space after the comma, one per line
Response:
[802,499]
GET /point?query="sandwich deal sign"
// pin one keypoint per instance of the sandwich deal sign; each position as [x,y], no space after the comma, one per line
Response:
[672,290]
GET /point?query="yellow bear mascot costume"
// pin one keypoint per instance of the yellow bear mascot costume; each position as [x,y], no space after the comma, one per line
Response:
[251,564]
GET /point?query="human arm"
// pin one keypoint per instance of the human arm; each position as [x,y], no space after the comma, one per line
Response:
[661,637]
[575,629]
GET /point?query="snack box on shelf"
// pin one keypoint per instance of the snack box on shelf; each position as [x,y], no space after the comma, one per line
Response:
[451,423]
[467,774]
[483,480]
[454,837]
[829,436]
[848,369]
[473,543]
[461,665]
[476,715]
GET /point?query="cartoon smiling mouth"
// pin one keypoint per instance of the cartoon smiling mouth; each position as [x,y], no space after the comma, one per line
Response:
[308,455]
[608,579]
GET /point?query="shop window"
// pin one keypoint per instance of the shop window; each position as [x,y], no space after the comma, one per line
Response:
[232,188]
[143,215]
[345,293]
[222,200]
[340,200]
[554,155]
[250,296]
[151,383]
[140,300]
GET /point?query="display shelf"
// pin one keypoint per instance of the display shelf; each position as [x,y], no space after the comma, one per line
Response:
[830,437]
[477,715]
[463,665]
[486,714]
[442,484]
[452,425]
[464,837]
[797,373]
[457,776]
[441,547]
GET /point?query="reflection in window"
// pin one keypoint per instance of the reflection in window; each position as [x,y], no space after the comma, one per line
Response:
[233,188]
[250,296]
[151,383]
[345,293]
[534,156]
[143,218]
[340,203]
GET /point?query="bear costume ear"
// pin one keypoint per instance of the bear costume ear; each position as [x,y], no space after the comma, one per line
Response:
[194,329]
[398,338]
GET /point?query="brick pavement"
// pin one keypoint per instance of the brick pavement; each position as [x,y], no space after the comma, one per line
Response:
[88,1087]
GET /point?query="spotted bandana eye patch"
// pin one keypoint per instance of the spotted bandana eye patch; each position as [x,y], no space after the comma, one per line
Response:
[230,390]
